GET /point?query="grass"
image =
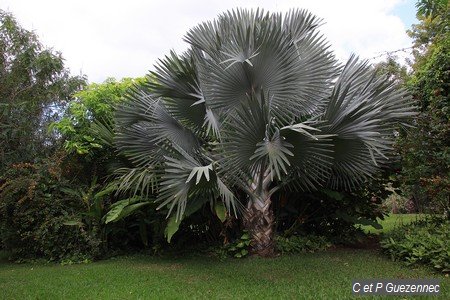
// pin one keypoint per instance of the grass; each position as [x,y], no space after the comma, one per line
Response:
[392,221]
[325,275]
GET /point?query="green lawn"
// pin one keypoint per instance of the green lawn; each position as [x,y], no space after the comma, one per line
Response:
[325,275]
[392,221]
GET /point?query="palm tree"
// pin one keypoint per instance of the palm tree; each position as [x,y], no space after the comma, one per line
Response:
[257,103]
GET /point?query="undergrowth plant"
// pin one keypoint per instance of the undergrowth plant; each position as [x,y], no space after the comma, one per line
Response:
[422,242]
[300,244]
[35,207]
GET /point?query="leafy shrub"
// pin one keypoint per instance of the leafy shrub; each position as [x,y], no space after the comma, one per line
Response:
[426,242]
[396,203]
[35,207]
[135,223]
[299,244]
[239,248]
[330,213]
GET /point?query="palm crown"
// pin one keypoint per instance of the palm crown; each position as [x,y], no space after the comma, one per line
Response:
[256,103]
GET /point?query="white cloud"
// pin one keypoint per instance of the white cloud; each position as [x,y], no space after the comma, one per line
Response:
[125,38]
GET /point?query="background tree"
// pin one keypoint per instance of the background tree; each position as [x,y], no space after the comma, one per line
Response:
[392,69]
[87,131]
[86,127]
[425,149]
[34,86]
[36,187]
[258,103]
[433,16]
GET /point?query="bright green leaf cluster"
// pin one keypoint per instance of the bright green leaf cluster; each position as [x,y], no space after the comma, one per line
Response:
[94,104]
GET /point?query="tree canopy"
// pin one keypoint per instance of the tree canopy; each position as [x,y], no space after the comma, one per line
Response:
[93,105]
[34,85]
[425,149]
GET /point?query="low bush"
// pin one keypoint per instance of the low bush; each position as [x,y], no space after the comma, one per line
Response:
[426,242]
[240,247]
[397,204]
[299,244]
[330,213]
[35,208]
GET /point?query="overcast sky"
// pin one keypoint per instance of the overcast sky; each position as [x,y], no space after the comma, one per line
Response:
[118,39]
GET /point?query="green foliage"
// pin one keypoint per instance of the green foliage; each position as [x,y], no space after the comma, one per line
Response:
[152,224]
[301,244]
[172,227]
[305,276]
[240,247]
[200,220]
[398,204]
[93,204]
[135,226]
[393,221]
[38,212]
[393,69]
[425,149]
[431,8]
[425,242]
[433,16]
[221,211]
[123,208]
[333,214]
[34,86]
[95,103]
[87,130]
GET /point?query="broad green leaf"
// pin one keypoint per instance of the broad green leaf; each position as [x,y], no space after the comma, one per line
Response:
[130,209]
[123,208]
[116,209]
[172,227]
[245,236]
[220,210]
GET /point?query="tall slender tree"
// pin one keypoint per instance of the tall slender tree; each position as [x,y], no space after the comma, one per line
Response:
[257,103]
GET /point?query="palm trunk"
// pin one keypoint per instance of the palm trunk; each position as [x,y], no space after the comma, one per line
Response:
[259,221]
